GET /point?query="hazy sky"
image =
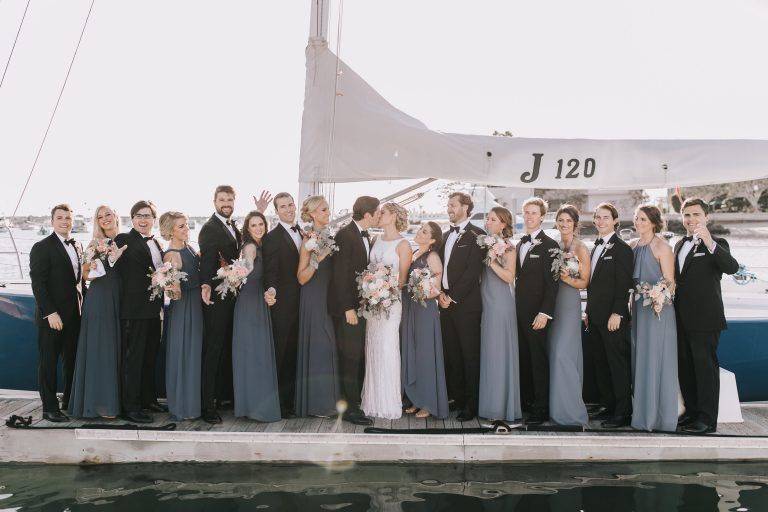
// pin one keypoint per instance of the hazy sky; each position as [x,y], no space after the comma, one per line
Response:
[169,98]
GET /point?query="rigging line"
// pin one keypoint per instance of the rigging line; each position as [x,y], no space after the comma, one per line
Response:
[335,92]
[8,62]
[55,108]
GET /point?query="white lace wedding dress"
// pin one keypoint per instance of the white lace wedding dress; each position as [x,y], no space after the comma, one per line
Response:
[381,396]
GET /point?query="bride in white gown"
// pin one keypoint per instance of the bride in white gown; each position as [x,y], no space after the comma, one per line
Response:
[382,393]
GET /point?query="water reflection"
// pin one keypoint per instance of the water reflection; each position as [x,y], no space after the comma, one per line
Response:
[414,488]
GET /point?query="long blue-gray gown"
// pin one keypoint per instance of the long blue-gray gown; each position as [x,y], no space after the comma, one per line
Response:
[317,368]
[499,360]
[654,354]
[566,363]
[422,365]
[95,390]
[184,342]
[253,351]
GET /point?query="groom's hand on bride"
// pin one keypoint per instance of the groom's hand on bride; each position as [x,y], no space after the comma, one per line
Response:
[443,300]
[351,316]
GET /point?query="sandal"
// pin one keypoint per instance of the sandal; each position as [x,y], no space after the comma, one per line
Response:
[411,410]
[423,413]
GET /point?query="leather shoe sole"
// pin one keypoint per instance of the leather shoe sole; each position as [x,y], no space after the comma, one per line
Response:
[136,417]
[698,427]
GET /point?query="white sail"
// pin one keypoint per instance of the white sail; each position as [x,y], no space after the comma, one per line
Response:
[351,133]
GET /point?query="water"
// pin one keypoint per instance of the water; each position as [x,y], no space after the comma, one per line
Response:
[699,487]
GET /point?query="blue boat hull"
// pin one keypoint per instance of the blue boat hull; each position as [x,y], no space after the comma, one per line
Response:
[743,349]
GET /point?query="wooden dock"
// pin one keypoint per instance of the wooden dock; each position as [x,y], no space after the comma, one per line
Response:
[329,441]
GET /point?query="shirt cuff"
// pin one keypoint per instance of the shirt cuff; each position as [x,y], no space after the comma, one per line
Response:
[713,247]
[546,315]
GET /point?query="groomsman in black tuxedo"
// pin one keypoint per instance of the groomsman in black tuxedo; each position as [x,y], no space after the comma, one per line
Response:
[608,337]
[535,294]
[461,306]
[139,317]
[700,262]
[281,260]
[55,267]
[354,243]
[219,242]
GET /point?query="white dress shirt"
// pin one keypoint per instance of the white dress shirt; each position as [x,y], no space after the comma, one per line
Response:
[157,257]
[527,245]
[228,226]
[686,248]
[366,242]
[449,243]
[72,253]
[294,234]
[599,250]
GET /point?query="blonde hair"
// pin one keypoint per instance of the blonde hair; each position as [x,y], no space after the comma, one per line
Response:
[542,204]
[167,223]
[400,213]
[98,232]
[309,205]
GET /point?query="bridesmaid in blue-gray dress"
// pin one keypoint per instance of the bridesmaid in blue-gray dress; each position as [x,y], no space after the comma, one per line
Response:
[499,360]
[317,377]
[566,363]
[184,338]
[422,365]
[654,338]
[253,347]
[95,389]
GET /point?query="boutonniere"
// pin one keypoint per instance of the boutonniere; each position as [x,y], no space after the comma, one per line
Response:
[607,246]
[535,242]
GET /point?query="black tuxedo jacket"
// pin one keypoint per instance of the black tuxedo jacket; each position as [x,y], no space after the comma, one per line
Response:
[350,260]
[135,267]
[217,248]
[535,288]
[281,262]
[609,284]
[698,298]
[464,269]
[55,285]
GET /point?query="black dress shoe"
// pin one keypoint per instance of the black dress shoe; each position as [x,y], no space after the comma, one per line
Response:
[211,417]
[465,415]
[226,405]
[536,419]
[136,417]
[55,416]
[453,406]
[698,427]
[287,415]
[359,419]
[155,407]
[617,422]
[599,413]
[685,420]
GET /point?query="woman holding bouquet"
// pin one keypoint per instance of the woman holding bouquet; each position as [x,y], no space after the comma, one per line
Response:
[253,348]
[95,390]
[184,337]
[566,363]
[499,358]
[382,393]
[654,333]
[423,369]
[317,373]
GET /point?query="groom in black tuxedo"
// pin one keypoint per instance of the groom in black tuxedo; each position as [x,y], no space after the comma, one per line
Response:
[700,262]
[535,294]
[281,260]
[461,306]
[219,241]
[608,338]
[55,268]
[139,317]
[354,245]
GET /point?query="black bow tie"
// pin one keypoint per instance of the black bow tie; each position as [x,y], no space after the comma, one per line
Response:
[364,233]
[454,229]
[687,239]
[70,241]
[148,238]
[525,239]
[295,228]
[232,222]
[599,241]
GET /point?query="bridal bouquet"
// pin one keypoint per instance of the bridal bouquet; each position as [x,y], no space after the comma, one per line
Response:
[165,277]
[232,277]
[420,285]
[496,246]
[657,296]
[320,243]
[100,249]
[567,261]
[379,289]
